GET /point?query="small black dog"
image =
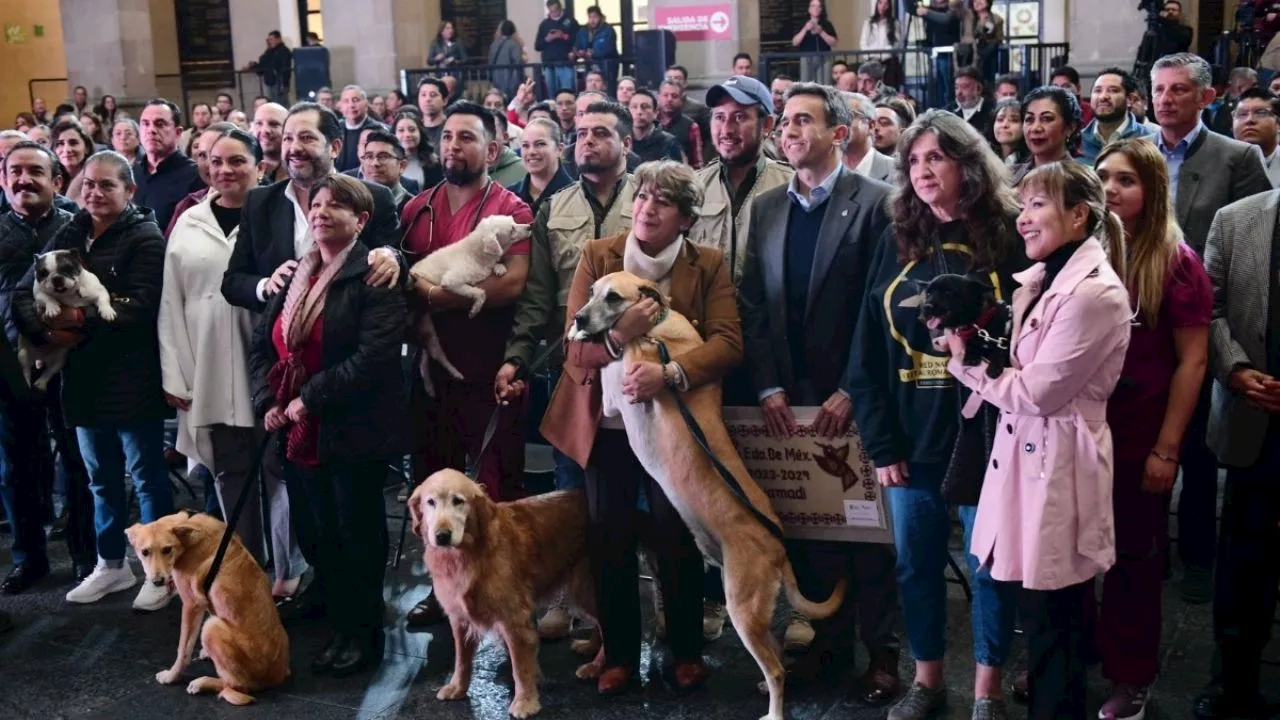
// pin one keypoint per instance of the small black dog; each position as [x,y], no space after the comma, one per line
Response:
[967,305]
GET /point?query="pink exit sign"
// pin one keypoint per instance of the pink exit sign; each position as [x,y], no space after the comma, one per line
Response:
[696,22]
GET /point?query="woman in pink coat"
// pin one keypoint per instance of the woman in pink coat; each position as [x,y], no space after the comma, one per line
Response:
[1045,517]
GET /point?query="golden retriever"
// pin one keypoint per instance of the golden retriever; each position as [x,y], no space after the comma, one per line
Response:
[755,562]
[494,564]
[243,636]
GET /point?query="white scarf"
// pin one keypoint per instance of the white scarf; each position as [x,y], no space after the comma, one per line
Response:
[654,268]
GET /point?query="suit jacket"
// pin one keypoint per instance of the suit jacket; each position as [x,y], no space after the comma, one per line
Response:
[882,167]
[981,120]
[1217,172]
[701,290]
[266,239]
[1238,260]
[854,222]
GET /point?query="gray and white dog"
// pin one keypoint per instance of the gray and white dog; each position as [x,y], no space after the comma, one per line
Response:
[61,281]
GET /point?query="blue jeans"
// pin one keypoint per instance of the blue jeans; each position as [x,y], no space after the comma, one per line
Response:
[557,78]
[944,65]
[921,531]
[107,450]
[568,475]
[24,464]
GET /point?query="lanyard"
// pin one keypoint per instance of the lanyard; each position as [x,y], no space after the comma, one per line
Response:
[431,221]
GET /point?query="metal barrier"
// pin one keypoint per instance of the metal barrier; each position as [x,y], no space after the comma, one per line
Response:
[923,73]
[168,85]
[474,80]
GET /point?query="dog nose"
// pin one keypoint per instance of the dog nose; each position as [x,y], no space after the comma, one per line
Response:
[443,538]
[580,318]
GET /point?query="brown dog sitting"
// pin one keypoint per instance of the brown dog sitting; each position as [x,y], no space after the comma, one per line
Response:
[494,564]
[243,636]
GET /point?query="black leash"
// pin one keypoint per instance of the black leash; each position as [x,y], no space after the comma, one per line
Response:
[734,486]
[523,372]
[254,481]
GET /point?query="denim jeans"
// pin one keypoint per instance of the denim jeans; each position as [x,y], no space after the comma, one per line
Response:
[557,78]
[943,67]
[25,461]
[921,531]
[107,450]
[568,475]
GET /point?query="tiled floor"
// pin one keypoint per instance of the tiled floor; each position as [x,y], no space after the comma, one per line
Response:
[64,661]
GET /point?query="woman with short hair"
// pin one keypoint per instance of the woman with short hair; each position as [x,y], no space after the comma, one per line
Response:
[326,373]
[1164,367]
[1045,520]
[953,212]
[697,279]
[125,140]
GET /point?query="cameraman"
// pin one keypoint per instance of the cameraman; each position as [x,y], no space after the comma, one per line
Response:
[1171,35]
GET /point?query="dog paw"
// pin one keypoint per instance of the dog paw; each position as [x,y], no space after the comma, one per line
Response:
[168,677]
[107,313]
[499,270]
[195,686]
[203,654]
[524,707]
[452,691]
[52,311]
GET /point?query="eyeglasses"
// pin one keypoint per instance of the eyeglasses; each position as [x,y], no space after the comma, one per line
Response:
[380,158]
[1258,114]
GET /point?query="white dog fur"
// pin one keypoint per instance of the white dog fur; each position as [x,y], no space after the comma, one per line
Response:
[81,288]
[457,268]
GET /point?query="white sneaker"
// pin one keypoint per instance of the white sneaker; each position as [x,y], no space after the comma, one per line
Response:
[102,582]
[799,634]
[713,617]
[153,597]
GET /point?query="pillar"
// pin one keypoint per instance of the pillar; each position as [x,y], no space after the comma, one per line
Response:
[361,37]
[108,47]
[1102,33]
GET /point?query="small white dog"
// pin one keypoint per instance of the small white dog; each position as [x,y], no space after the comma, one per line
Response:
[457,268]
[61,281]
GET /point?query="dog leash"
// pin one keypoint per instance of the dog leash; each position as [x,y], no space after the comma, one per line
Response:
[698,435]
[473,468]
[255,478]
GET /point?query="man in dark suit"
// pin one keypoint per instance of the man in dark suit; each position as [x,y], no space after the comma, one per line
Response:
[809,250]
[1207,171]
[274,233]
[971,100]
[1244,432]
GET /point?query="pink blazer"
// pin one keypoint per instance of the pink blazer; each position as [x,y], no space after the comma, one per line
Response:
[1045,517]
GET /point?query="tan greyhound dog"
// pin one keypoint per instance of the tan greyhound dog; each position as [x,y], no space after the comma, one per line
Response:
[755,562]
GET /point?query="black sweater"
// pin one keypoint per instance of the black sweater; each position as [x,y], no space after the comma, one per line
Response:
[905,401]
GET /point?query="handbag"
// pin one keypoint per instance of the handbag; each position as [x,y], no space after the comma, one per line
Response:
[962,485]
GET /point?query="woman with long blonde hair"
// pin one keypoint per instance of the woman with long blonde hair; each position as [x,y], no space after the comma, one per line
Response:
[1168,351]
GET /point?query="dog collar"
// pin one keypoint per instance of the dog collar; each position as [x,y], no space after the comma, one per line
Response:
[967,332]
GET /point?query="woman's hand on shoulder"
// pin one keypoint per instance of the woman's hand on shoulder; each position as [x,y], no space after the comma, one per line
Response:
[638,320]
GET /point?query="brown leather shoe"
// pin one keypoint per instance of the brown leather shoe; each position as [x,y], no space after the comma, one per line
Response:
[690,675]
[615,680]
[880,684]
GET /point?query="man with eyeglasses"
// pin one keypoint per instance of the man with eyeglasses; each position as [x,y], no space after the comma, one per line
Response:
[383,161]
[1254,122]
[860,156]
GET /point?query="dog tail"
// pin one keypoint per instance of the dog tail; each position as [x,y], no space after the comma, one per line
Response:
[810,609]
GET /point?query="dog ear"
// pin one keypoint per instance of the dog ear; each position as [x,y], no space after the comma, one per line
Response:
[483,510]
[415,511]
[131,532]
[74,253]
[982,280]
[653,293]
[186,534]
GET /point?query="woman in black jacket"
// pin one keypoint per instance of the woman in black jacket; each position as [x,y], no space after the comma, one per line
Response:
[326,373]
[953,212]
[111,390]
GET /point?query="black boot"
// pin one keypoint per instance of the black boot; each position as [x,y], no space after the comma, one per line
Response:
[323,662]
[360,655]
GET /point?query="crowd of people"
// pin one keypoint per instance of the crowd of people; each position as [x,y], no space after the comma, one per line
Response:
[258,264]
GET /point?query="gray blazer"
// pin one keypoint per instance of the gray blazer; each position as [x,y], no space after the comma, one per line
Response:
[1217,172]
[882,167]
[1238,260]
[854,222]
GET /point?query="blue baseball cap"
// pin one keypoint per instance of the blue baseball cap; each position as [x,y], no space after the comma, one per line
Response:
[743,90]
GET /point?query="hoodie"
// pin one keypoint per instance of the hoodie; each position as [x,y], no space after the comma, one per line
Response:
[507,171]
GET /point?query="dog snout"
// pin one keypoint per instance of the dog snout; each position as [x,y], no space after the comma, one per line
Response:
[59,283]
[444,538]
[580,318]
[159,581]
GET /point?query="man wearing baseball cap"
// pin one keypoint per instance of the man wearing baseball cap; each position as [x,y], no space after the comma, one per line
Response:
[741,119]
